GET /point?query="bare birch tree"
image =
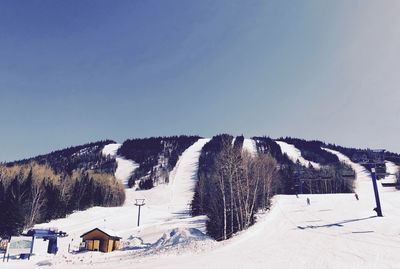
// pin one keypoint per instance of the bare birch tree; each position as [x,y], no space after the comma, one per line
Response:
[37,203]
[221,185]
[236,187]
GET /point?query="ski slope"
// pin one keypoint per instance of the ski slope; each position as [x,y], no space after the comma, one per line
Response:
[183,178]
[392,169]
[250,146]
[125,168]
[294,154]
[335,231]
[167,208]
[363,177]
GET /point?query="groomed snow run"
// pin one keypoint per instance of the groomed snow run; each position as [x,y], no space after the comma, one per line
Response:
[250,146]
[166,209]
[184,176]
[125,168]
[392,169]
[294,154]
[335,232]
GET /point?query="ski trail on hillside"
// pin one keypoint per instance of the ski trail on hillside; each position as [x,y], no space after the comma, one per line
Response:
[363,176]
[125,167]
[184,178]
[361,172]
[111,149]
[250,146]
[393,170]
[363,182]
[294,154]
[364,187]
[335,231]
[166,207]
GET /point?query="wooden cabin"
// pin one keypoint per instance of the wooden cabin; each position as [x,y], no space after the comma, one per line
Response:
[101,240]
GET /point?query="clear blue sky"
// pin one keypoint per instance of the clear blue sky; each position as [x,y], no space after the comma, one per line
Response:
[78,71]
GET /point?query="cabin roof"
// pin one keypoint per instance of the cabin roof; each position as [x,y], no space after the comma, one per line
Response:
[108,232]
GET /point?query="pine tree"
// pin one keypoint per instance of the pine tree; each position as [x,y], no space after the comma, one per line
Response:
[12,213]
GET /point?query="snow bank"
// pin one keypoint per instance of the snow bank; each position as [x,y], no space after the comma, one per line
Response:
[179,238]
[134,242]
[294,154]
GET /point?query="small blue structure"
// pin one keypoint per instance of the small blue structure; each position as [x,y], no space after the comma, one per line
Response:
[46,234]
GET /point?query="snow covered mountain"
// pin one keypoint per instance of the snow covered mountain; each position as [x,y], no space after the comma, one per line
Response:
[335,231]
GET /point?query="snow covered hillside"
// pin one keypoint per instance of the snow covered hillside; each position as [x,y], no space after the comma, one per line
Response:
[295,154]
[183,178]
[392,169]
[334,231]
[250,146]
[167,208]
[125,167]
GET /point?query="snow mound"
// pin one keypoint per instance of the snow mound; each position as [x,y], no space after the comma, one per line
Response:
[181,238]
[44,263]
[134,242]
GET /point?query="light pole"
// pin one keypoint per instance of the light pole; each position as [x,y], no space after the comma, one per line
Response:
[139,203]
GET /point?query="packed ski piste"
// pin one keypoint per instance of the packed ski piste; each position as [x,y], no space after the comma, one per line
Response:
[299,231]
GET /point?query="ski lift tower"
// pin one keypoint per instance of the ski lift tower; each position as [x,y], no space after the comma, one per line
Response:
[374,159]
[139,203]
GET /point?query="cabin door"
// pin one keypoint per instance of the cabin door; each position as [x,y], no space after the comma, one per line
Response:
[96,245]
[89,244]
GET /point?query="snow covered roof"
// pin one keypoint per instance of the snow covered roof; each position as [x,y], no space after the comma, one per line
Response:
[108,232]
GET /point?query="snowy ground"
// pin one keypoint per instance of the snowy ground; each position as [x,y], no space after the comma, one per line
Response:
[294,154]
[125,167]
[166,209]
[250,146]
[392,169]
[335,231]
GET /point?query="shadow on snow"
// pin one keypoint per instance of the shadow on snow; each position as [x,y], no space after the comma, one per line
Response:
[336,224]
